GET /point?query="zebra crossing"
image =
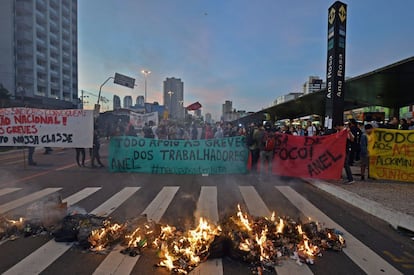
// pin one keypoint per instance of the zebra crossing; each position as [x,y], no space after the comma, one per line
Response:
[207,205]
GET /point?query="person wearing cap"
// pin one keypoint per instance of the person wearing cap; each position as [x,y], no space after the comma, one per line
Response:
[365,143]
[350,137]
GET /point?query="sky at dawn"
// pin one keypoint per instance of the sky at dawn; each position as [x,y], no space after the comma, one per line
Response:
[249,52]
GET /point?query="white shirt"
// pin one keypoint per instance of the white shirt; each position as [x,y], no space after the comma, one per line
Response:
[311,131]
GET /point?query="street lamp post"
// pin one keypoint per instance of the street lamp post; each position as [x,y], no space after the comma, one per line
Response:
[146,73]
[182,112]
[170,93]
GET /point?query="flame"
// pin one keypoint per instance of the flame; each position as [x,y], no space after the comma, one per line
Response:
[329,235]
[307,248]
[299,227]
[262,244]
[280,226]
[341,240]
[243,218]
[246,245]
[189,246]
[168,262]
[101,237]
[16,222]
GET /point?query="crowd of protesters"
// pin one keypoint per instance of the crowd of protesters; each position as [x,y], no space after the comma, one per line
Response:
[258,137]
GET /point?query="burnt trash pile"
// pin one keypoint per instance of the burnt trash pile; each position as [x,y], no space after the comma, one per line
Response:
[262,242]
[40,218]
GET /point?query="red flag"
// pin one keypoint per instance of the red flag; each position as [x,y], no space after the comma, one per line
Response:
[194,106]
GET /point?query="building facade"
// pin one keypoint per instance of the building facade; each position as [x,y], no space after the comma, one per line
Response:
[313,84]
[39,51]
[127,101]
[174,97]
[227,110]
[116,102]
[283,98]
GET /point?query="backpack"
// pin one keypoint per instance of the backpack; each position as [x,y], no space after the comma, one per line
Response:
[269,142]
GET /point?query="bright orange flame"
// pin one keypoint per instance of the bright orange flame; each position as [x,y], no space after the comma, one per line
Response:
[307,248]
[245,246]
[262,244]
[168,262]
[299,227]
[280,226]
[191,245]
[99,238]
[243,218]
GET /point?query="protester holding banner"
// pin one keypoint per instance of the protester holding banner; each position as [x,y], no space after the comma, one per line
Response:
[350,138]
[258,136]
[267,147]
[366,140]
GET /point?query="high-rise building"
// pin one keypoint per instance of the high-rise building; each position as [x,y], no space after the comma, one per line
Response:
[127,101]
[117,102]
[39,51]
[227,109]
[313,84]
[208,118]
[174,97]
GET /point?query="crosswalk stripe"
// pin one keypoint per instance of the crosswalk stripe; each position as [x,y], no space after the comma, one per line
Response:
[114,202]
[41,258]
[254,202]
[257,207]
[207,207]
[27,199]
[77,197]
[207,204]
[117,263]
[359,253]
[6,191]
[161,201]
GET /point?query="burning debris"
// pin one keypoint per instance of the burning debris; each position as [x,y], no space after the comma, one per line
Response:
[182,251]
[40,217]
[263,242]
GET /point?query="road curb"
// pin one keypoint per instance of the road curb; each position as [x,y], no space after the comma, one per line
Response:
[394,218]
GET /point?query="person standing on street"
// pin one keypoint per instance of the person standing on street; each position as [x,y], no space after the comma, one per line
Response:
[365,142]
[349,138]
[267,148]
[95,151]
[80,153]
[30,160]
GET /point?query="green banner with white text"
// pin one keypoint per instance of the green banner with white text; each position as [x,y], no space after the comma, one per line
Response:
[210,156]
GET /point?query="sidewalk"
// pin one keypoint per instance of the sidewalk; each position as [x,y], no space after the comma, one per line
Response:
[392,202]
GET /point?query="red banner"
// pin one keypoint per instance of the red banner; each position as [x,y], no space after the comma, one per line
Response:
[319,157]
[194,106]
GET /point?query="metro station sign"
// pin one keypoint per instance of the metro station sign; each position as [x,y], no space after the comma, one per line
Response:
[335,66]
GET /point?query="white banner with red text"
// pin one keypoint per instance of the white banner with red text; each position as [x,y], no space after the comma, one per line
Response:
[71,128]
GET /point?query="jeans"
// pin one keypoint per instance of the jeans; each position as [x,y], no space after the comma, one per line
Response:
[266,158]
[347,167]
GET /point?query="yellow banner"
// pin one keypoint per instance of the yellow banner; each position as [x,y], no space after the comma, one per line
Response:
[391,155]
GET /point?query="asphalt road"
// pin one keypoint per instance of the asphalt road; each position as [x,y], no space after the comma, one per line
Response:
[373,246]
